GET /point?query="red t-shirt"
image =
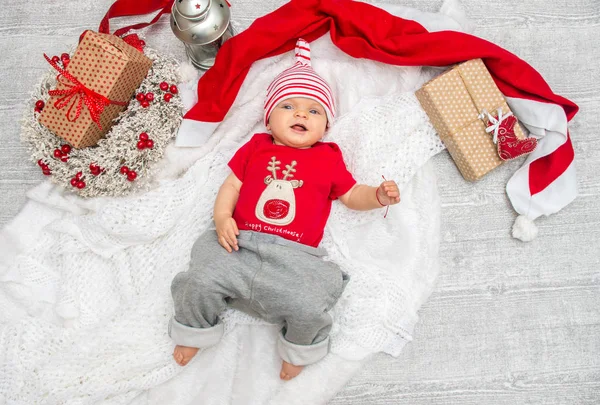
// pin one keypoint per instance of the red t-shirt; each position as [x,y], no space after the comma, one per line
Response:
[288,191]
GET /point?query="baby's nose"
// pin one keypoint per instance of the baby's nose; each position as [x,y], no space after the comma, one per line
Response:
[301,113]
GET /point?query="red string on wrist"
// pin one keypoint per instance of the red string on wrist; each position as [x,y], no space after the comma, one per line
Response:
[378,200]
[387,206]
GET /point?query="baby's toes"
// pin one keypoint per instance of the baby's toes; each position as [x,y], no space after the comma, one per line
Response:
[178,357]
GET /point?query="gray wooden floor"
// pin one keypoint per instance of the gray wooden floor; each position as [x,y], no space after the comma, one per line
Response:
[508,323]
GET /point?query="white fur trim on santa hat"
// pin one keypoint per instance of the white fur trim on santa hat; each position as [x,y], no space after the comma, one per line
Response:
[548,123]
[188,73]
[194,133]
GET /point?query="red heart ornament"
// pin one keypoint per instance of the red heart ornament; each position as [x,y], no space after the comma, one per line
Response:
[509,146]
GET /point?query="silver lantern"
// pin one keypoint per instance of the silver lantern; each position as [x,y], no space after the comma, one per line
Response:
[203,26]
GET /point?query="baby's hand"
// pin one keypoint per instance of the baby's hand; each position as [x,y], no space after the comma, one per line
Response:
[388,193]
[227,231]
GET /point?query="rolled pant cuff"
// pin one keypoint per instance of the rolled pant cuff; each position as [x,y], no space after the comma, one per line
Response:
[302,355]
[195,337]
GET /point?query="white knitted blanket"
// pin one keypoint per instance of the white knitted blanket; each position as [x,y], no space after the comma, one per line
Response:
[84,284]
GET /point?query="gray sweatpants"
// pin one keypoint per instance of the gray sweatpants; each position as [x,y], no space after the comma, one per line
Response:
[269,276]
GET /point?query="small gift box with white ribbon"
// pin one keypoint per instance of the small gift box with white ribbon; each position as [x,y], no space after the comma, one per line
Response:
[97,85]
[473,120]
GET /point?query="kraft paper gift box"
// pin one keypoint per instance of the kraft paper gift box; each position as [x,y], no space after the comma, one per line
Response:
[104,68]
[454,101]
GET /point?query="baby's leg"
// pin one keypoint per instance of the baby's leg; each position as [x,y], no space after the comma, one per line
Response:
[195,324]
[199,295]
[304,340]
[298,287]
[198,300]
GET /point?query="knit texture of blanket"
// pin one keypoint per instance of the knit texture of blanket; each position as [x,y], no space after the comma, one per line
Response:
[85,284]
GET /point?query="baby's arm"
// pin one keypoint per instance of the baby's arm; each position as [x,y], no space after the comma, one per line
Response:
[362,197]
[227,197]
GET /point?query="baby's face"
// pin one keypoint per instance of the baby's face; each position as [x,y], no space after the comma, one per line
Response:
[297,122]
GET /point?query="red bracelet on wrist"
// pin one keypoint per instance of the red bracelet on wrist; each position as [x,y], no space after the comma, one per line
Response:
[387,207]
[379,201]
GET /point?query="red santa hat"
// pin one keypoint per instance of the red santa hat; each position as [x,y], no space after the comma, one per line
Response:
[542,186]
[300,80]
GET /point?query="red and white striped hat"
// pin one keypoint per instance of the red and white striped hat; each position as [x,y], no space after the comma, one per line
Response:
[300,81]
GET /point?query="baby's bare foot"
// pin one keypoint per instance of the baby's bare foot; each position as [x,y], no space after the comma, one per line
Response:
[289,371]
[183,354]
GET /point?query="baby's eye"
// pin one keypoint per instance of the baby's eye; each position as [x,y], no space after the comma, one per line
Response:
[315,112]
[286,106]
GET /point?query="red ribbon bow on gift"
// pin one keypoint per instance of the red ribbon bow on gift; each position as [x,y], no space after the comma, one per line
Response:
[95,102]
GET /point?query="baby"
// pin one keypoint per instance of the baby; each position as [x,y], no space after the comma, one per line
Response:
[269,215]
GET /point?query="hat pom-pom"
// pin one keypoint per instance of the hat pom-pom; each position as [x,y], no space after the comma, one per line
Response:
[303,52]
[524,229]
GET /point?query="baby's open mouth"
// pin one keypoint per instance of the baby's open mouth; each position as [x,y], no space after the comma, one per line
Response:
[299,127]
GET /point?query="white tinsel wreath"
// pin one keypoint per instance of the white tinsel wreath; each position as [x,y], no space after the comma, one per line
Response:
[119,148]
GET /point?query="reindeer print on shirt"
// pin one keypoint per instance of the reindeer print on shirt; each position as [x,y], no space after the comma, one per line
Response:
[277,203]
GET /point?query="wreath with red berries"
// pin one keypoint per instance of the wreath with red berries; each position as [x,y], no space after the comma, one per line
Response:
[122,161]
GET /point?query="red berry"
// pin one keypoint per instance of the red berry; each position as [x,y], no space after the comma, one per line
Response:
[65,148]
[41,163]
[65,63]
[142,43]
[173,89]
[47,172]
[124,169]
[96,170]
[39,104]
[65,56]
[145,104]
[64,158]
[149,96]
[144,136]
[149,144]
[164,86]
[78,175]
[74,182]
[55,59]
[80,185]
[140,97]
[131,175]
[168,97]
[57,153]
[141,145]
[45,167]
